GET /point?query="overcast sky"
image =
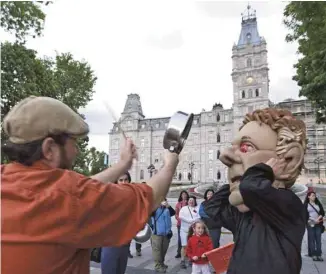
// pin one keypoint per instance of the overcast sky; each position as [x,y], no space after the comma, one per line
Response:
[175,54]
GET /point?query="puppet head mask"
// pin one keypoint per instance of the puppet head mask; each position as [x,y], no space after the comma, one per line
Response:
[265,134]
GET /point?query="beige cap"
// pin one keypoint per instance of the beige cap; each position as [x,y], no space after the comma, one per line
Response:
[35,118]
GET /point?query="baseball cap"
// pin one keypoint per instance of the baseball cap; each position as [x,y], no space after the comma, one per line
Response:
[35,118]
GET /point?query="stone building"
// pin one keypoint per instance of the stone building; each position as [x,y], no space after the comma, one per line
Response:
[214,130]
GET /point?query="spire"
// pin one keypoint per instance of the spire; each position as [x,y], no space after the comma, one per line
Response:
[249,31]
[133,104]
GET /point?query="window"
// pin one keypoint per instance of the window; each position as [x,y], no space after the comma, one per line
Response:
[210,173]
[257,92]
[180,176]
[142,142]
[116,144]
[210,137]
[218,175]
[195,138]
[142,158]
[243,94]
[210,154]
[218,153]
[249,62]
[195,174]
[226,117]
[218,138]
[185,174]
[218,117]
[141,174]
[250,93]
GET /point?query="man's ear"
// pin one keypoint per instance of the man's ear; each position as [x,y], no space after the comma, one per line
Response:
[294,157]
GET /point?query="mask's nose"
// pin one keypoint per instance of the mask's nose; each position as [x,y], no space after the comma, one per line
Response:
[229,157]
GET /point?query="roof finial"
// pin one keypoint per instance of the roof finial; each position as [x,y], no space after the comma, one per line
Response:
[250,14]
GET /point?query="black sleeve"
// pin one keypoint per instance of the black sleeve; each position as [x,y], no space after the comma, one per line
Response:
[172,211]
[275,206]
[321,210]
[219,209]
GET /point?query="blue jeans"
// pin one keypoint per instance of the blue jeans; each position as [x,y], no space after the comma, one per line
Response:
[314,240]
[215,236]
[114,259]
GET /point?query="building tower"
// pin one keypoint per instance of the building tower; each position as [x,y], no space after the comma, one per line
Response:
[249,69]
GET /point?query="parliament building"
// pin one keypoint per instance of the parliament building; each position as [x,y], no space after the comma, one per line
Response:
[213,130]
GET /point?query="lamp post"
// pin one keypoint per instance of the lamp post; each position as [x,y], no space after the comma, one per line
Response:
[151,169]
[317,161]
[191,166]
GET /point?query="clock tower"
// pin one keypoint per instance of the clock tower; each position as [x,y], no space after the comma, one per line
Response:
[249,69]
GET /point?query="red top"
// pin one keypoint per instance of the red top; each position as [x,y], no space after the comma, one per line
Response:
[178,206]
[197,246]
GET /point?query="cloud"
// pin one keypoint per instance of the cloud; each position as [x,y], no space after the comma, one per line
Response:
[169,41]
[283,88]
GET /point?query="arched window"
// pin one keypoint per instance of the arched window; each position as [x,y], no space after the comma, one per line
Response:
[142,175]
[249,63]
[180,176]
[218,138]
[218,154]
[250,93]
[218,117]
[218,175]
[257,92]
[243,94]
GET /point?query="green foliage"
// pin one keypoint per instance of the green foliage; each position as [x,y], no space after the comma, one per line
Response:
[22,18]
[307,24]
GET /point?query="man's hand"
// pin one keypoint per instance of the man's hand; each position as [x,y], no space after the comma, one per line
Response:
[128,153]
[204,256]
[194,258]
[278,166]
[171,160]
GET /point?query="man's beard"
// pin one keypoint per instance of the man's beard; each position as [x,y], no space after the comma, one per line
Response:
[64,162]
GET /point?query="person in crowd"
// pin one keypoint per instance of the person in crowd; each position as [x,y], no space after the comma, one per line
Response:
[114,259]
[182,201]
[199,243]
[52,216]
[214,226]
[162,233]
[315,227]
[138,245]
[188,215]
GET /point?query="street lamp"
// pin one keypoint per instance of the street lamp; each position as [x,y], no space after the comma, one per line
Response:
[151,169]
[317,161]
[191,166]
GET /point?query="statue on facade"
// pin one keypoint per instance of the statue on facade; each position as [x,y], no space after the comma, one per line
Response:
[265,216]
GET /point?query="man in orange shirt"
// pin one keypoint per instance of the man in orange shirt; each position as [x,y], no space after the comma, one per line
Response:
[51,216]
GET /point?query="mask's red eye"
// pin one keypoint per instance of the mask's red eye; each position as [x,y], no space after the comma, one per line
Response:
[244,148]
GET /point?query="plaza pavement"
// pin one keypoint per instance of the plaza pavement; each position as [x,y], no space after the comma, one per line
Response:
[145,264]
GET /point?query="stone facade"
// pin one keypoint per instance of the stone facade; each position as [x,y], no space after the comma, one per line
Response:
[214,130]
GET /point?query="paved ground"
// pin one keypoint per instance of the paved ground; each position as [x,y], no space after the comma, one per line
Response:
[145,265]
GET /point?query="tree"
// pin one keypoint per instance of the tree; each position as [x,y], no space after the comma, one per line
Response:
[307,24]
[22,18]
[24,74]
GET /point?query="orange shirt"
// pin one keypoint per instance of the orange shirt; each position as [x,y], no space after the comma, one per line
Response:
[52,217]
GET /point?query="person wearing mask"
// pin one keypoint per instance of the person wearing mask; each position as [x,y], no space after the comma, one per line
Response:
[162,233]
[315,227]
[188,215]
[114,259]
[49,211]
[214,226]
[182,201]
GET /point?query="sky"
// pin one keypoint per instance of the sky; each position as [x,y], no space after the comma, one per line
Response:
[175,54]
